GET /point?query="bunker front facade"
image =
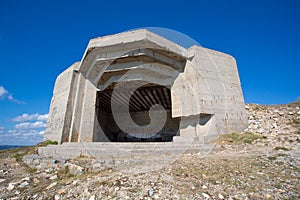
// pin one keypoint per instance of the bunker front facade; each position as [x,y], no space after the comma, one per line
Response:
[138,86]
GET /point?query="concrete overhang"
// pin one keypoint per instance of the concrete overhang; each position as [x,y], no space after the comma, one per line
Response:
[114,46]
[143,73]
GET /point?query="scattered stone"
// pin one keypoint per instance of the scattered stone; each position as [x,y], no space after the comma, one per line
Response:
[75,182]
[74,169]
[150,192]
[49,170]
[26,179]
[220,196]
[206,196]
[61,191]
[54,177]
[35,180]
[11,186]
[226,174]
[281,191]
[51,186]
[24,184]
[268,196]
[93,197]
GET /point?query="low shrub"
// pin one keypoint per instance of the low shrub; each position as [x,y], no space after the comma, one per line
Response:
[245,137]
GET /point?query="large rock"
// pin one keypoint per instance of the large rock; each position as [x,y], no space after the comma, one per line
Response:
[74,169]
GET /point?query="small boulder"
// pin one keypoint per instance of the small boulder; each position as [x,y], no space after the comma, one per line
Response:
[206,196]
[11,186]
[36,181]
[53,177]
[24,184]
[74,169]
[51,186]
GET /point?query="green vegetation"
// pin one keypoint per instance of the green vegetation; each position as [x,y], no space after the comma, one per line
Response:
[256,107]
[296,121]
[245,137]
[298,102]
[282,148]
[18,157]
[104,182]
[276,156]
[272,158]
[281,155]
[19,152]
[31,170]
[64,171]
[47,142]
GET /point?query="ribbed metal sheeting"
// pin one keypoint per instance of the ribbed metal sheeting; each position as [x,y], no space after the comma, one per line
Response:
[141,100]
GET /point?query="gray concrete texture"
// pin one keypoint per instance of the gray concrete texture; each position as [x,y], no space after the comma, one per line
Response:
[199,89]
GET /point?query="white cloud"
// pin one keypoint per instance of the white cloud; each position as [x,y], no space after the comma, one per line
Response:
[28,130]
[42,132]
[21,137]
[24,133]
[27,117]
[4,94]
[28,125]
[42,117]
[10,97]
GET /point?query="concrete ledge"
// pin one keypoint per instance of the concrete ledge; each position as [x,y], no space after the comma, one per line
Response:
[118,150]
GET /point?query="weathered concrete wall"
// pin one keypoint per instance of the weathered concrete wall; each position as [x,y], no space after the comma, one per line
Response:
[212,82]
[58,124]
[204,85]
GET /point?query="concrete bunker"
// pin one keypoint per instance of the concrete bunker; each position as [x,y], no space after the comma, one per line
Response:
[198,88]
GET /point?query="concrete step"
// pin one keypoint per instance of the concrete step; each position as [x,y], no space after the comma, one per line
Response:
[133,145]
[105,149]
[129,148]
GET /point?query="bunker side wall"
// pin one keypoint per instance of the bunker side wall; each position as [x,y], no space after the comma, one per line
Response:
[59,115]
[209,84]
[221,92]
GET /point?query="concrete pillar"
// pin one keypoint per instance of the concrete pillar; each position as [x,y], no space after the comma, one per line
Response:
[88,116]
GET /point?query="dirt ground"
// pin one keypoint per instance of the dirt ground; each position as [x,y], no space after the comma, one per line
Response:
[246,166]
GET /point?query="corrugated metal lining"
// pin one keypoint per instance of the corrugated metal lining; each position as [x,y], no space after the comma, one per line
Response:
[141,100]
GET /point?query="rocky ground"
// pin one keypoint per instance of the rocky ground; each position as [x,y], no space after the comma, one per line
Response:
[261,163]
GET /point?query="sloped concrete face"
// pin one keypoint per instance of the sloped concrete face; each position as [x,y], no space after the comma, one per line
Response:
[139,86]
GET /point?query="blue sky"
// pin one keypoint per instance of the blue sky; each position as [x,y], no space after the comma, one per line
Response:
[39,39]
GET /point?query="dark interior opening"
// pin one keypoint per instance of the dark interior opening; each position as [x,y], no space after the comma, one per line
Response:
[140,103]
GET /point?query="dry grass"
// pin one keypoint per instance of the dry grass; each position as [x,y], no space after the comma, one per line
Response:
[238,138]
[19,152]
[296,121]
[281,148]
